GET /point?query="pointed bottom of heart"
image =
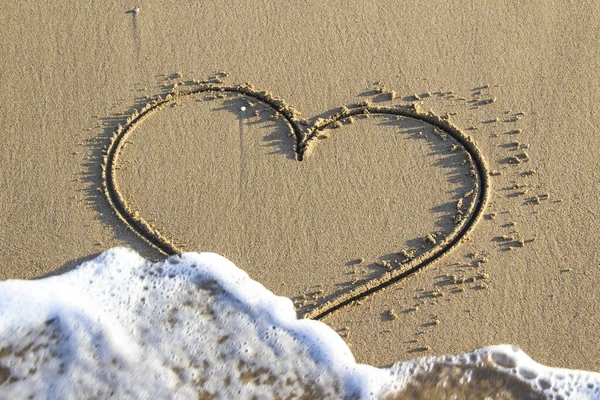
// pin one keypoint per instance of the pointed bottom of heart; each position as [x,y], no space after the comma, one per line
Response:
[196,326]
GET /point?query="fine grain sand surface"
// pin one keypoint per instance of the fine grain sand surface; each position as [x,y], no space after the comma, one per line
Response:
[521,80]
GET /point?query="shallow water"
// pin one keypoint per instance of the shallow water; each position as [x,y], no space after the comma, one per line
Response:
[196,326]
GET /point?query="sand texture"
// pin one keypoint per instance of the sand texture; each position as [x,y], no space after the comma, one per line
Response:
[470,128]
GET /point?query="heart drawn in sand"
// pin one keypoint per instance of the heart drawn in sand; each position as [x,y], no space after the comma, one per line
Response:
[468,207]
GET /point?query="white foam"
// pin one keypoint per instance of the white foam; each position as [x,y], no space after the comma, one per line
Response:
[512,362]
[195,325]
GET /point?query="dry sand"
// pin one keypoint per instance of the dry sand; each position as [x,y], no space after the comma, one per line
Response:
[219,179]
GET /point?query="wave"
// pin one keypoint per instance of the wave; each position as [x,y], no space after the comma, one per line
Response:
[196,326]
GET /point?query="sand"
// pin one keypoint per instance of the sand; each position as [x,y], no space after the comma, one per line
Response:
[208,175]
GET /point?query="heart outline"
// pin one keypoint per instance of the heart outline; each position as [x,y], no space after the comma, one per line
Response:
[304,138]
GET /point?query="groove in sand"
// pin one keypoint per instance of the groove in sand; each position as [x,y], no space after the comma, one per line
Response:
[303,139]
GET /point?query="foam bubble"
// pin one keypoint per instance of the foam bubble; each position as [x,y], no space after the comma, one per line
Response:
[196,326]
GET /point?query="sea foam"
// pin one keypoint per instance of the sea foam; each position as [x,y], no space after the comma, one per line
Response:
[196,326]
